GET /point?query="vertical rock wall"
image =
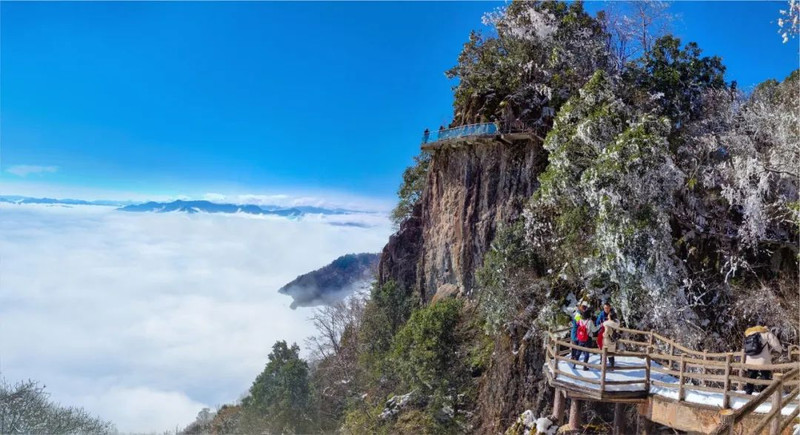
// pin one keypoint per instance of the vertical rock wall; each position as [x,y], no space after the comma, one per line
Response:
[472,188]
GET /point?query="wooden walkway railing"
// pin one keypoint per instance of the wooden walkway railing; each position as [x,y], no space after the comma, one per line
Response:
[775,419]
[720,373]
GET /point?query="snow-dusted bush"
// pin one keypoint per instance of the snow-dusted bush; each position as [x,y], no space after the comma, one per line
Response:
[527,423]
[26,408]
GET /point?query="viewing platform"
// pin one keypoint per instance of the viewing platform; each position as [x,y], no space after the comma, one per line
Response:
[684,389]
[476,133]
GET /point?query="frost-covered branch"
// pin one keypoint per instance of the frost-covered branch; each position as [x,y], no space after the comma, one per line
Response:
[789,22]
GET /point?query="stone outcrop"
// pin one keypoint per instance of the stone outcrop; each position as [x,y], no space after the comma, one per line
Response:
[400,257]
[473,186]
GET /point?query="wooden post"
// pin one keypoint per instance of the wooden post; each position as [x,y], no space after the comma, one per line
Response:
[726,418]
[742,359]
[575,415]
[603,355]
[648,361]
[618,419]
[726,398]
[643,425]
[777,396]
[705,371]
[681,379]
[558,406]
[671,349]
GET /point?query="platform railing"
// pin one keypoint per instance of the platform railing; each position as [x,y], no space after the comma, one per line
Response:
[480,129]
[775,419]
[723,373]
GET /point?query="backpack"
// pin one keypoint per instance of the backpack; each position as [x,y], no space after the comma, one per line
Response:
[753,344]
[583,334]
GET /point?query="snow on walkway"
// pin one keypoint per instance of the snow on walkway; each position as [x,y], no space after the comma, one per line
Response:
[691,396]
[611,375]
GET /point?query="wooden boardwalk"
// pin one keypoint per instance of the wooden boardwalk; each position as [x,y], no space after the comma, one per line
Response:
[689,390]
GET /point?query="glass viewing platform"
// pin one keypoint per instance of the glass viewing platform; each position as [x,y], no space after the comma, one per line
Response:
[483,129]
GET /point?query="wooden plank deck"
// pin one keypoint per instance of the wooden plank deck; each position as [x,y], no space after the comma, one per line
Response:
[666,380]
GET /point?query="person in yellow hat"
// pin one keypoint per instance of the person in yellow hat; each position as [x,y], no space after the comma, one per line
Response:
[759,343]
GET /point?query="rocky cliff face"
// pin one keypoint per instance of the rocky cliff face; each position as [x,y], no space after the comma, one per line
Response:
[472,188]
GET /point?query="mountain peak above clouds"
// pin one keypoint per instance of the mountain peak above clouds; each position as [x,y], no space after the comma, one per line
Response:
[333,282]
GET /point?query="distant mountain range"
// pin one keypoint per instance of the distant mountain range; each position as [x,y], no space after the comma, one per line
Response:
[16,199]
[212,207]
[333,282]
[187,207]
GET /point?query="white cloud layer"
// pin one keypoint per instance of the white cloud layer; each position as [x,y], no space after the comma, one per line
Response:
[145,318]
[25,170]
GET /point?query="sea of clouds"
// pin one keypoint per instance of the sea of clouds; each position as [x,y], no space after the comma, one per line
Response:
[142,318]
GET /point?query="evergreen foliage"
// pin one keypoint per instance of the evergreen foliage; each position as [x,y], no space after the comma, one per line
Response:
[279,397]
[505,287]
[424,350]
[386,312]
[674,79]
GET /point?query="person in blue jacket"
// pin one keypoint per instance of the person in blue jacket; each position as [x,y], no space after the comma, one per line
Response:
[604,315]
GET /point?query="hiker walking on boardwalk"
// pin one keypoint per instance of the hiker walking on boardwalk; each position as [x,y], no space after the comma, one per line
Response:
[608,335]
[584,327]
[759,344]
[573,324]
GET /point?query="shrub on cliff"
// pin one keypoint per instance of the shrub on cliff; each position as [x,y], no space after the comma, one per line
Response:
[505,278]
[385,313]
[415,178]
[424,351]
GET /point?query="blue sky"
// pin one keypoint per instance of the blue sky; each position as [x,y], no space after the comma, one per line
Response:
[187,98]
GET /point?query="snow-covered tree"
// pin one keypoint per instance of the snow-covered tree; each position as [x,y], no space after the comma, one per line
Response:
[758,138]
[605,204]
[534,57]
[26,408]
[789,22]
[634,27]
